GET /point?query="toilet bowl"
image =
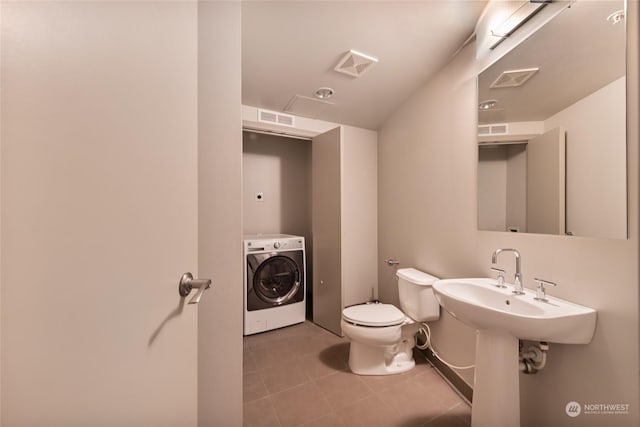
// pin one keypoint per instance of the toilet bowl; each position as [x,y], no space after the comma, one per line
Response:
[381,335]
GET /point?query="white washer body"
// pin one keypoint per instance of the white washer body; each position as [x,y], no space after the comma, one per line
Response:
[274,282]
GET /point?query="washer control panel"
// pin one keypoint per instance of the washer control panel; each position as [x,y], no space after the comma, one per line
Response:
[273,244]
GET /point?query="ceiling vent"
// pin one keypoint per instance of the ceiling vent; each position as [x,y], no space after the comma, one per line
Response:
[513,78]
[355,64]
[266,116]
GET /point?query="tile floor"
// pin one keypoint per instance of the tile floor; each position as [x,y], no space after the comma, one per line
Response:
[299,376]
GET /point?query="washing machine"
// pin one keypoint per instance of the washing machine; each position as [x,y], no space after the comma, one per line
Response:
[274,285]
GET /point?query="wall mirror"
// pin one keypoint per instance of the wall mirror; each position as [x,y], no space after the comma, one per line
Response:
[552,128]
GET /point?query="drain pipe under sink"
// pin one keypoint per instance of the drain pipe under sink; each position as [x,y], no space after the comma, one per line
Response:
[530,361]
[534,359]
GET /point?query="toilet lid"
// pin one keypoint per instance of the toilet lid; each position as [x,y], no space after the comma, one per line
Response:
[373,315]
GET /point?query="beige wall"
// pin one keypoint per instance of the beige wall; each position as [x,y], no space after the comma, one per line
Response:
[219,214]
[280,168]
[427,218]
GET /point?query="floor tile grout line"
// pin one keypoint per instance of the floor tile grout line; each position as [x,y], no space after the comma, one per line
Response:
[351,403]
[448,411]
[287,388]
[264,383]
[326,401]
[273,409]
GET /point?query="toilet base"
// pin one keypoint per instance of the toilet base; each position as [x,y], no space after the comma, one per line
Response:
[387,352]
[367,360]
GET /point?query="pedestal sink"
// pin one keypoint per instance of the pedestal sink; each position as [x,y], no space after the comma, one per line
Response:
[501,319]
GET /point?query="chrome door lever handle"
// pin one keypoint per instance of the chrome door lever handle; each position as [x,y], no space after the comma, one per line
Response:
[187,283]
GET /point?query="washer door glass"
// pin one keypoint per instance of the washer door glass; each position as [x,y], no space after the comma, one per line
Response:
[276,280]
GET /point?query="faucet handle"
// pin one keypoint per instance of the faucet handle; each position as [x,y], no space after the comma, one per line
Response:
[500,278]
[540,291]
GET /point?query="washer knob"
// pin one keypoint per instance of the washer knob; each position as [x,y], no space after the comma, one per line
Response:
[276,245]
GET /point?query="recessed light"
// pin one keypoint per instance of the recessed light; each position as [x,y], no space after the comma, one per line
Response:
[489,104]
[323,93]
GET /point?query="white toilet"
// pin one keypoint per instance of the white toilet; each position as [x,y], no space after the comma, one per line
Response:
[382,336]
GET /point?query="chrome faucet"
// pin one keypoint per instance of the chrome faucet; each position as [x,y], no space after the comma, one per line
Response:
[517,283]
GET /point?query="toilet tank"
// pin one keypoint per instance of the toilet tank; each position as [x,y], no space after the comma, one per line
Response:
[416,295]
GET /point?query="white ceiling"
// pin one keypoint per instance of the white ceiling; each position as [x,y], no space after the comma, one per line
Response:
[290,48]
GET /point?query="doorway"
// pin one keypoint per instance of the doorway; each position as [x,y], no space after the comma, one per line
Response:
[276,172]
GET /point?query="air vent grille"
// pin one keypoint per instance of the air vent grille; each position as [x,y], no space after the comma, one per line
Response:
[494,129]
[355,64]
[266,116]
[513,78]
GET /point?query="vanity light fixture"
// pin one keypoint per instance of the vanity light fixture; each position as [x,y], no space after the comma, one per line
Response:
[616,17]
[517,19]
[324,93]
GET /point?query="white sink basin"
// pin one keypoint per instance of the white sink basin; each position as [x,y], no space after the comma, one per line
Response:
[481,305]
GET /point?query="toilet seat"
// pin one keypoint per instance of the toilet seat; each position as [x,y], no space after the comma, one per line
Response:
[374,315]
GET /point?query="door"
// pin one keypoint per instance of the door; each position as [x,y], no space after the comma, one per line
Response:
[546,183]
[326,161]
[99,219]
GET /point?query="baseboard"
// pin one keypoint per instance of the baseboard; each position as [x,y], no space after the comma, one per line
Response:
[458,384]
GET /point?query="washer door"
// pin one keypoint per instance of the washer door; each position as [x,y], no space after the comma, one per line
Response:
[274,280]
[277,280]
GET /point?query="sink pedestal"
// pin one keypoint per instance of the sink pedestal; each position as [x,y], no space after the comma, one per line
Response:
[496,392]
